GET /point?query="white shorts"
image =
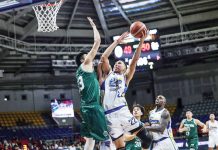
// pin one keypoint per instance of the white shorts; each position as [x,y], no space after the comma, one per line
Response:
[121,121]
[213,141]
[167,144]
[107,145]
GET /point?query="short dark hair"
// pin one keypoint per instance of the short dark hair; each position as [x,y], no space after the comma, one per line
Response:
[124,63]
[78,58]
[161,97]
[141,107]
[188,110]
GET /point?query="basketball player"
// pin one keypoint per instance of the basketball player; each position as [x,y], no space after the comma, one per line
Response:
[132,141]
[93,126]
[190,127]
[115,85]
[212,128]
[108,144]
[160,126]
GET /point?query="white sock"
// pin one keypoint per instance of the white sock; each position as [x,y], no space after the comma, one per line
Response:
[90,143]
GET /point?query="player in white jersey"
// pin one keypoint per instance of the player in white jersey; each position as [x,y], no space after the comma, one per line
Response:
[115,85]
[212,127]
[107,145]
[160,126]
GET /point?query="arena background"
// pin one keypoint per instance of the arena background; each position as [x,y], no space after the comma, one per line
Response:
[37,67]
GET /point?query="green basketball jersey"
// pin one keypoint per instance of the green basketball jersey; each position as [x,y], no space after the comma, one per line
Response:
[88,86]
[134,144]
[192,129]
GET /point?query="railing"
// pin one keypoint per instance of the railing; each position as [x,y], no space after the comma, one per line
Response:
[189,37]
[72,49]
[43,49]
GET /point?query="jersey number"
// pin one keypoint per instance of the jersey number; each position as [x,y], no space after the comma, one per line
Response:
[188,131]
[138,144]
[80,83]
[120,94]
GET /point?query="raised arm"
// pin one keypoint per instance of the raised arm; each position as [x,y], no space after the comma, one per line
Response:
[97,41]
[131,70]
[165,118]
[100,73]
[104,58]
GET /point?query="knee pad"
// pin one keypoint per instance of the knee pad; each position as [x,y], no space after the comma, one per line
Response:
[145,137]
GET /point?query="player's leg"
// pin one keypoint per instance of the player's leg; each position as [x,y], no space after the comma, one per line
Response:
[119,143]
[94,123]
[132,125]
[115,130]
[189,143]
[107,145]
[161,145]
[100,127]
[216,142]
[117,137]
[90,143]
[194,144]
[211,143]
[171,145]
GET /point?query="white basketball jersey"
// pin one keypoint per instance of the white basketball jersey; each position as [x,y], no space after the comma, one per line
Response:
[115,89]
[154,119]
[213,128]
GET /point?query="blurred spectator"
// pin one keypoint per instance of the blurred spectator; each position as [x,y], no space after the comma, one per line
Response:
[61,144]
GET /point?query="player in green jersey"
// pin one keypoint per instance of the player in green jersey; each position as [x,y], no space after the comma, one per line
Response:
[93,126]
[132,141]
[190,127]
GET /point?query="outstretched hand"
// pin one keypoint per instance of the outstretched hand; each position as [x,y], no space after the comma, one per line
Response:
[91,22]
[145,34]
[122,37]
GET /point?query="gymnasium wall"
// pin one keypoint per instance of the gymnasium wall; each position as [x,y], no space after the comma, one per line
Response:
[35,96]
[185,82]
[188,83]
[139,90]
[35,99]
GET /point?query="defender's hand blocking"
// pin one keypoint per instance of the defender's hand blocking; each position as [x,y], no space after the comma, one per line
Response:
[91,22]
[122,37]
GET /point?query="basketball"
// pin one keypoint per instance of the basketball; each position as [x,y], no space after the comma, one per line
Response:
[137,29]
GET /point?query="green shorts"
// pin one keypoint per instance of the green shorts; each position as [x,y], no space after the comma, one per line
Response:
[193,144]
[93,122]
